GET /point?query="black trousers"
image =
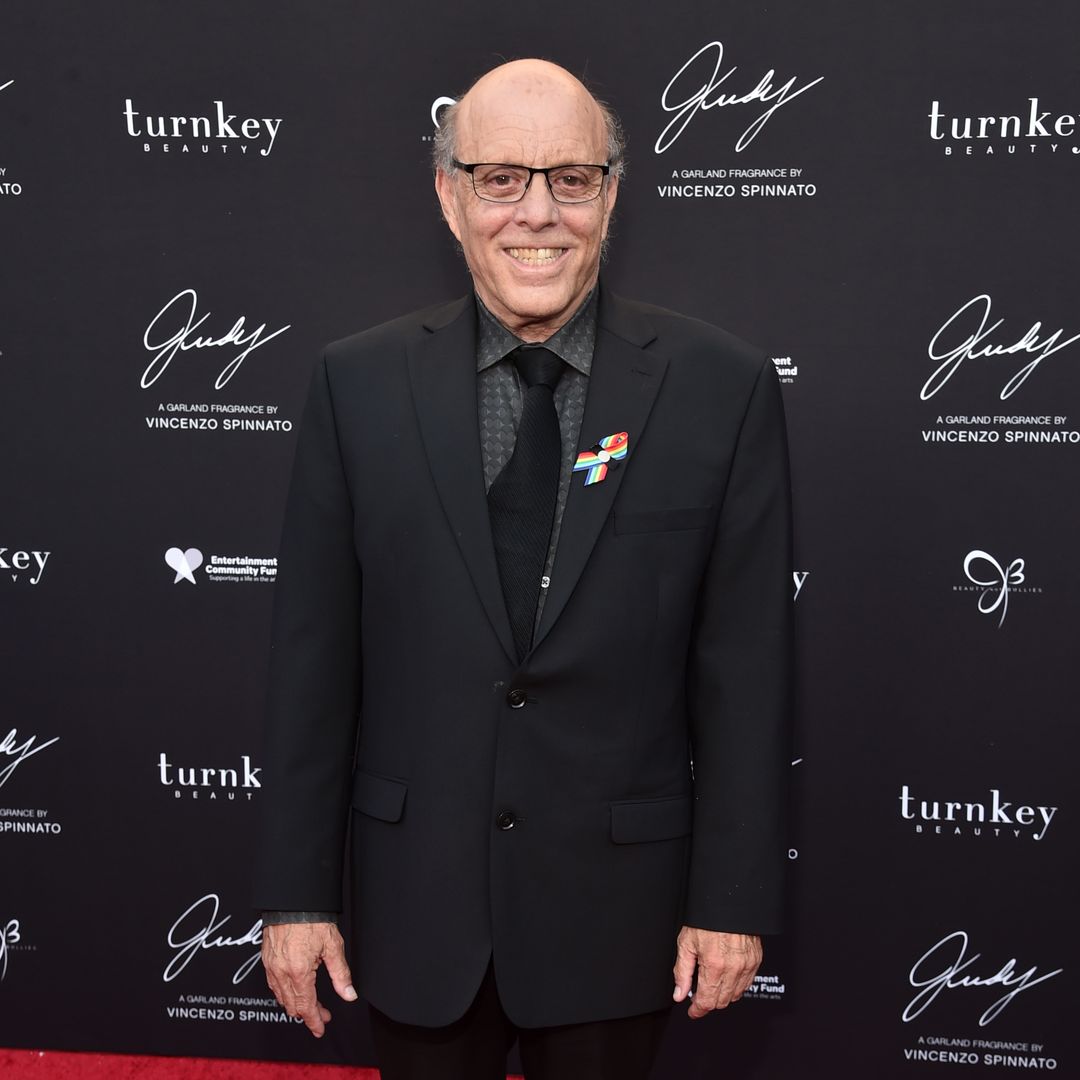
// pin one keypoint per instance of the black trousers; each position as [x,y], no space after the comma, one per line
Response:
[475,1047]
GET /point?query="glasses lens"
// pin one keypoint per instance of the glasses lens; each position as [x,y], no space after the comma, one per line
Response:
[500,183]
[576,183]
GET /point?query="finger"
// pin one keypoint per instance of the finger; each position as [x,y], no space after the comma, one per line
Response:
[707,997]
[315,1018]
[685,962]
[338,970]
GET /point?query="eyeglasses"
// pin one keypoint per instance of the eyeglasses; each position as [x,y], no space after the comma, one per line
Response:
[508,183]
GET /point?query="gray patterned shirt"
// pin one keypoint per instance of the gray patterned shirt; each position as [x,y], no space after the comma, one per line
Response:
[499,392]
[498,402]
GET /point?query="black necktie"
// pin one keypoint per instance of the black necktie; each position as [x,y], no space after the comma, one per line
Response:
[521,501]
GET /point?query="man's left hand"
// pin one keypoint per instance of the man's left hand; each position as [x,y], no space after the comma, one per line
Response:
[726,965]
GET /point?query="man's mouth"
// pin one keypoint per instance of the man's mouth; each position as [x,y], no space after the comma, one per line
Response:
[535,256]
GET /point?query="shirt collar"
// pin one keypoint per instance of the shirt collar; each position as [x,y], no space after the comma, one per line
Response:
[573,342]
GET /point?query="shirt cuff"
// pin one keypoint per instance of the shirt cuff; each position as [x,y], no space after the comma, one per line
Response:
[278,918]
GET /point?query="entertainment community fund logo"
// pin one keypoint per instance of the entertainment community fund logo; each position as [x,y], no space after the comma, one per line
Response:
[220,569]
[749,106]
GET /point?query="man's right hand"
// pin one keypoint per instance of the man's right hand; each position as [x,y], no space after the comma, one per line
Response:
[291,954]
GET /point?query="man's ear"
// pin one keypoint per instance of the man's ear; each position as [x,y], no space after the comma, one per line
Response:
[610,196]
[444,188]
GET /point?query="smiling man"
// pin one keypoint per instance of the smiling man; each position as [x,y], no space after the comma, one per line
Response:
[531,640]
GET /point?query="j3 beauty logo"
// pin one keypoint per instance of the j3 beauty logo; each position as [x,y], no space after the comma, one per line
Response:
[994,581]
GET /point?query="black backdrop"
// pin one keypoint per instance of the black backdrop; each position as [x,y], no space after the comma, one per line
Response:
[912,272]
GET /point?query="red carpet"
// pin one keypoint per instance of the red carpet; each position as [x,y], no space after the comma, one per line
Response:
[53,1065]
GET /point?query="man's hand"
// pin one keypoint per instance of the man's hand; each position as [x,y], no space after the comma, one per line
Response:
[726,965]
[291,954]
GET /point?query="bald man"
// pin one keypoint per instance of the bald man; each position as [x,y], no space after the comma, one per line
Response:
[531,639]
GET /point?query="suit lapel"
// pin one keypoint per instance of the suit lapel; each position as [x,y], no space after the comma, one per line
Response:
[442,370]
[623,384]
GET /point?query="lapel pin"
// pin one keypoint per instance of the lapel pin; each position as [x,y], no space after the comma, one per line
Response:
[594,461]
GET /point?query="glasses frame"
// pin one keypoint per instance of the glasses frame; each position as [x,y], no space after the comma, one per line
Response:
[469,168]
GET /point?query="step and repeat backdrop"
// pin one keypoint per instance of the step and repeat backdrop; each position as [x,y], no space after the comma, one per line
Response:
[196,196]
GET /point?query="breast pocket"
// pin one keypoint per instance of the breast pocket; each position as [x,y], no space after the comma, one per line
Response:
[675,519]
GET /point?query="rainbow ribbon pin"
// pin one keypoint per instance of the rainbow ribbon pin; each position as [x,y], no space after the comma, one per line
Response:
[595,460]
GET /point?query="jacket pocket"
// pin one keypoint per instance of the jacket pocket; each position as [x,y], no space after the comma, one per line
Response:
[641,821]
[675,519]
[379,796]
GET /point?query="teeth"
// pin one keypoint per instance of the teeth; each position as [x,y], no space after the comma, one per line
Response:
[536,256]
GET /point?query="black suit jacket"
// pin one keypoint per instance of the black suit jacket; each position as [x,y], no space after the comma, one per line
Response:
[644,774]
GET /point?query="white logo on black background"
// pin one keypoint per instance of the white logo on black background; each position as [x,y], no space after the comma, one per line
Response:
[196,930]
[15,563]
[11,747]
[187,134]
[8,187]
[1030,129]
[787,371]
[973,339]
[437,107]
[799,577]
[221,569]
[165,342]
[940,968]
[701,85]
[994,581]
[211,781]
[9,934]
[971,350]
[994,817]
[687,94]
[766,988]
[185,563]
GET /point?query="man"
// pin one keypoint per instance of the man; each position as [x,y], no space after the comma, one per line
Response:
[531,635]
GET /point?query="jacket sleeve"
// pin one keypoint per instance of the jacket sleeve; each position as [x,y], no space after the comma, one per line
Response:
[314,678]
[739,685]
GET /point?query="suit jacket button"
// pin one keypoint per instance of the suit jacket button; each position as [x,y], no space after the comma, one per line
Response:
[516,698]
[505,819]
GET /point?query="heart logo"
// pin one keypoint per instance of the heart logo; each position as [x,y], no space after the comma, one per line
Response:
[185,563]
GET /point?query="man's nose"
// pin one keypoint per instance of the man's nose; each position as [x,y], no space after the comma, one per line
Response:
[537,208]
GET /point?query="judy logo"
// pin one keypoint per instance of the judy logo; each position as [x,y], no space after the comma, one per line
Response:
[995,580]
[968,334]
[197,930]
[172,330]
[699,86]
[946,966]
[13,752]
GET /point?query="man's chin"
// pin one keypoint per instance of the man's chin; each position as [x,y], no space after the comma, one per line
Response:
[535,304]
